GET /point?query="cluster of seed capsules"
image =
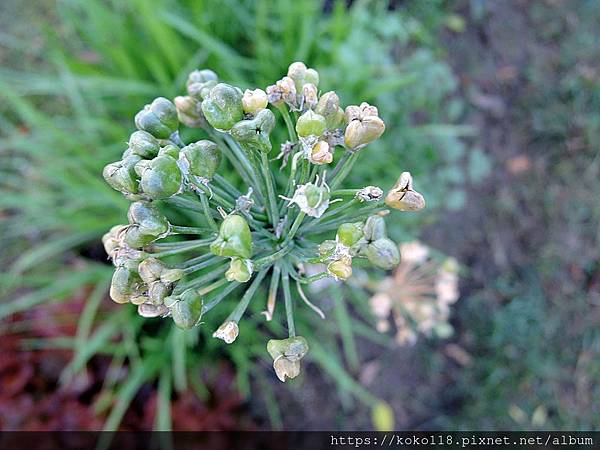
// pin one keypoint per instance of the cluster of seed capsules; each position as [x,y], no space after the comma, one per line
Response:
[234,238]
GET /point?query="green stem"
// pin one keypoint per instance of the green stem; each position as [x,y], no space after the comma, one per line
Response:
[211,287]
[272,199]
[202,265]
[345,192]
[241,307]
[207,214]
[297,222]
[219,297]
[188,230]
[268,260]
[345,168]
[289,308]
[180,244]
[178,250]
[329,214]
[288,122]
[201,280]
[312,278]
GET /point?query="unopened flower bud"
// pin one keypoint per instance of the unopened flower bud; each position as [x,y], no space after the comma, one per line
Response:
[162,178]
[349,234]
[282,91]
[228,332]
[240,270]
[374,228]
[341,269]
[124,284]
[254,133]
[310,123]
[187,311]
[234,239]
[159,118]
[286,354]
[403,197]
[200,82]
[302,75]
[320,153]
[254,101]
[223,106]
[188,111]
[203,158]
[121,175]
[383,253]
[370,194]
[309,92]
[143,144]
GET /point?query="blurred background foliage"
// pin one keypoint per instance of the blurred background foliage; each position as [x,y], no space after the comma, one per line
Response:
[496,119]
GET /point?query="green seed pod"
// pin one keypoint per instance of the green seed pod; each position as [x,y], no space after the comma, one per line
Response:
[310,123]
[240,270]
[148,218]
[341,269]
[124,284]
[188,111]
[201,76]
[162,178]
[203,157]
[327,249]
[121,175]
[171,275]
[159,118]
[134,238]
[329,108]
[187,311]
[383,253]
[311,76]
[169,150]
[143,144]
[254,101]
[234,240]
[361,132]
[223,106]
[374,228]
[254,133]
[349,234]
[151,269]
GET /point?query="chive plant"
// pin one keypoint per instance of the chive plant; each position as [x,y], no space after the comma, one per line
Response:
[226,241]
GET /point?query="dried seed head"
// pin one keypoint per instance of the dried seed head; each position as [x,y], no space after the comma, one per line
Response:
[228,332]
[283,91]
[320,154]
[370,194]
[286,354]
[403,197]
[309,94]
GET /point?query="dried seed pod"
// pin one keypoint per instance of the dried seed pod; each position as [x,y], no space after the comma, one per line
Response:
[282,91]
[403,197]
[286,354]
[228,332]
[310,94]
[370,194]
[320,153]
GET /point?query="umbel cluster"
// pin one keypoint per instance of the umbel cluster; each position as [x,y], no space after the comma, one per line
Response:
[266,222]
